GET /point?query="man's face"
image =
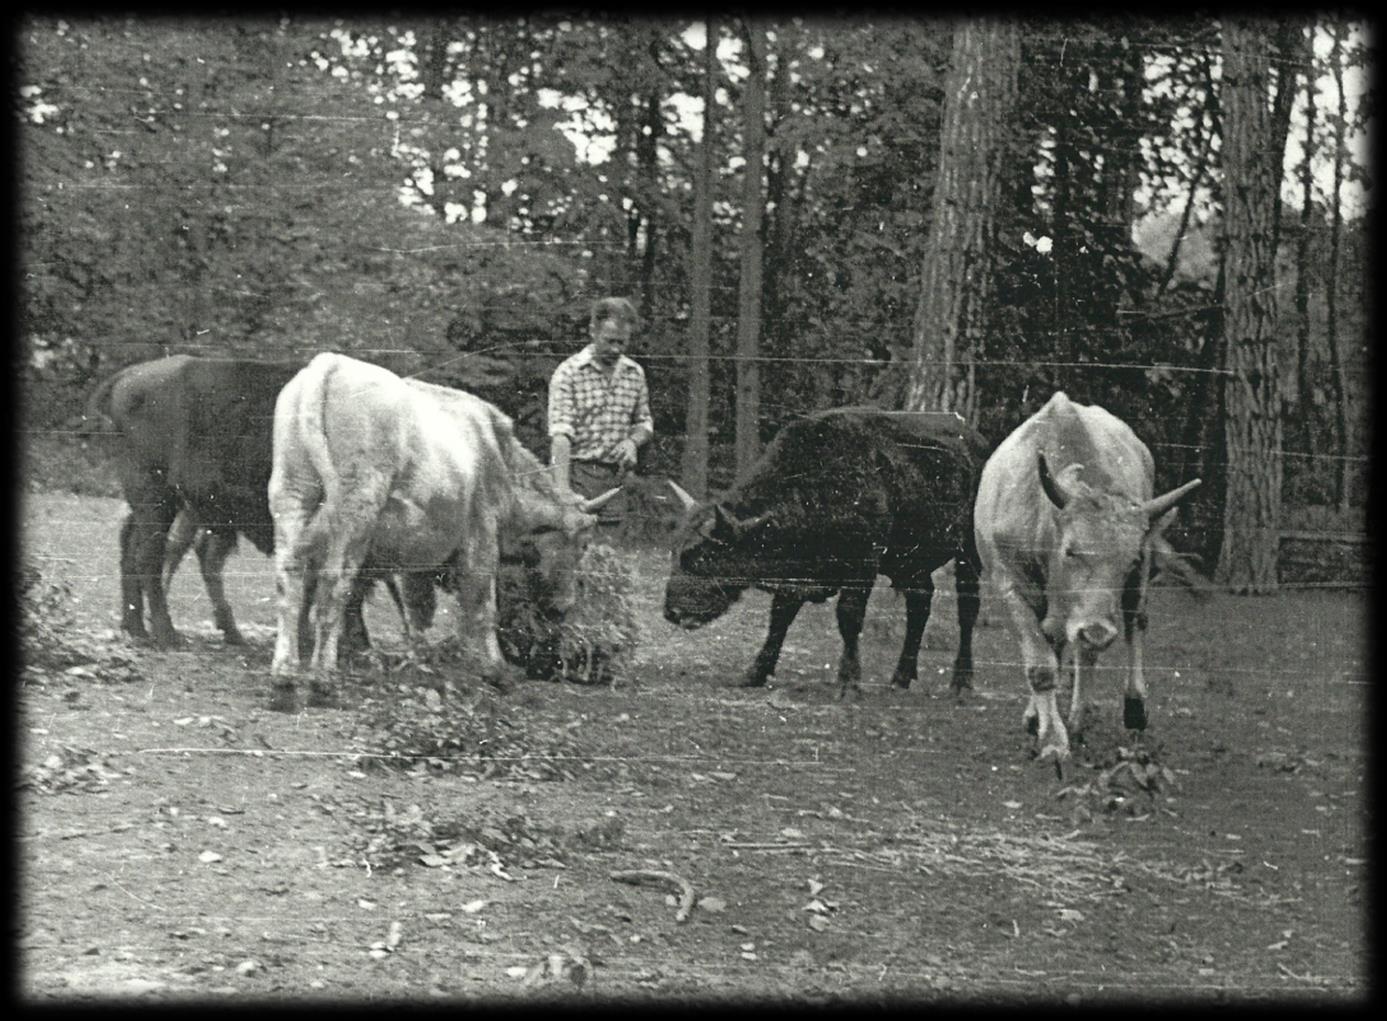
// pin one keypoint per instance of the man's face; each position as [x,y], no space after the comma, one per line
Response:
[611,335]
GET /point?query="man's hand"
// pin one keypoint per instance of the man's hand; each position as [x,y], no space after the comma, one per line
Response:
[626,453]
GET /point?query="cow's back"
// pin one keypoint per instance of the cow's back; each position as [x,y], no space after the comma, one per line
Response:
[202,427]
[1014,518]
[347,428]
[868,483]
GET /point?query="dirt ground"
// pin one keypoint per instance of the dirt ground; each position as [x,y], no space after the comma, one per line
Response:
[179,841]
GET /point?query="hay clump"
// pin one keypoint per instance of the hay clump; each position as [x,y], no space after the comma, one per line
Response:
[592,643]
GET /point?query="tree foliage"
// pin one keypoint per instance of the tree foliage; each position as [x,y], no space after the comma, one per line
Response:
[445,193]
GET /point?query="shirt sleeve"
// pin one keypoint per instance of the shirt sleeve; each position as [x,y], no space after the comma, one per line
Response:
[640,415]
[561,407]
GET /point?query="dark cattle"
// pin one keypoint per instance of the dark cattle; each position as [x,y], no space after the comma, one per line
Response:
[421,478]
[1067,529]
[416,603]
[838,498]
[193,439]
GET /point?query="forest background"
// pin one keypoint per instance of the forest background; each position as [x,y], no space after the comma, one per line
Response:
[1167,216]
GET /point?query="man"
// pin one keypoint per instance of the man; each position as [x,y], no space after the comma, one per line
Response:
[599,409]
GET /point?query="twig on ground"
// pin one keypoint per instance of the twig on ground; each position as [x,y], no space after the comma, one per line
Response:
[649,877]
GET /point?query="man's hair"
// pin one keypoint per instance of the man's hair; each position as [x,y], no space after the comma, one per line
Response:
[612,308]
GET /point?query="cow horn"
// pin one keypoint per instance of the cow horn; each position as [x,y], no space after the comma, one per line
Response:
[686,502]
[598,502]
[1160,504]
[736,526]
[1051,485]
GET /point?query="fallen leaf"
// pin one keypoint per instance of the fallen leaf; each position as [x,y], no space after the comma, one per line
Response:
[814,887]
[791,833]
[207,857]
[473,906]
[247,967]
[816,905]
[818,923]
[713,904]
[518,971]
[394,935]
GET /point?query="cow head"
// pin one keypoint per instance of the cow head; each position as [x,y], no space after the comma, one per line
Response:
[711,564]
[1100,550]
[552,548]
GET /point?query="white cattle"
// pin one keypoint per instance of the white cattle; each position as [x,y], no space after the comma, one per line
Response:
[1066,527]
[416,476]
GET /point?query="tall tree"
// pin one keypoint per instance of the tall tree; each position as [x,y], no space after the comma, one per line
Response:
[980,93]
[1336,223]
[1305,408]
[748,442]
[695,458]
[1252,509]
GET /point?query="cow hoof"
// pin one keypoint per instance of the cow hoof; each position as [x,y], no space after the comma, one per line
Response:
[1134,713]
[282,700]
[233,637]
[169,641]
[751,681]
[901,681]
[322,698]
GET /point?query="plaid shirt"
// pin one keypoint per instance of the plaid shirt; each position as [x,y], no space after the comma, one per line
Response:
[594,412]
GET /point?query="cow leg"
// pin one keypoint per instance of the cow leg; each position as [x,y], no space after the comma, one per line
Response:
[212,551]
[293,588]
[851,611]
[1134,624]
[784,608]
[176,545]
[345,555]
[304,624]
[917,606]
[1042,716]
[355,639]
[966,587]
[150,526]
[476,597]
[131,592]
[1084,662]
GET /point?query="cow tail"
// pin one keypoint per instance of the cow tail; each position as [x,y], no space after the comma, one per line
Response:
[97,417]
[313,434]
[1167,560]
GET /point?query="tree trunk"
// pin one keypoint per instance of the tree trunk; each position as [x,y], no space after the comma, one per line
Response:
[694,469]
[1252,510]
[647,149]
[1304,403]
[950,319]
[749,291]
[1336,222]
